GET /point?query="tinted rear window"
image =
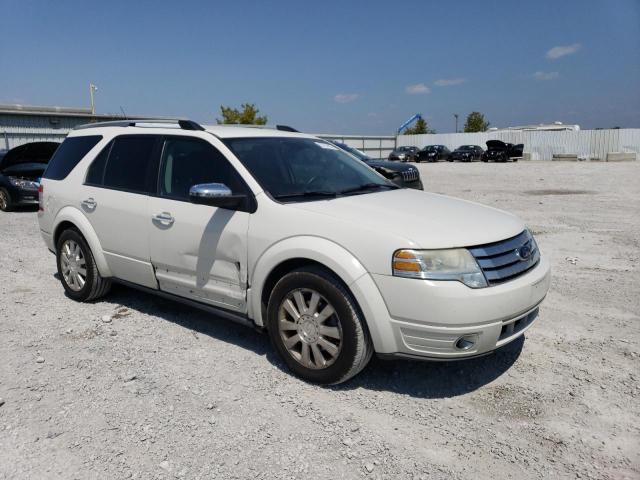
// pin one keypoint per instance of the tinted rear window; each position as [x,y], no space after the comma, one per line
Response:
[68,155]
[130,163]
[95,174]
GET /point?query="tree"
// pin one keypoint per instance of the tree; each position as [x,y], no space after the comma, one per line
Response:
[247,115]
[476,123]
[420,128]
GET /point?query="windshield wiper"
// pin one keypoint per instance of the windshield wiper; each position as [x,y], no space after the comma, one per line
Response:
[367,186]
[309,193]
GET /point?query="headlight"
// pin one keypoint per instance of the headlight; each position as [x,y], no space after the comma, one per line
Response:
[451,264]
[20,183]
[402,155]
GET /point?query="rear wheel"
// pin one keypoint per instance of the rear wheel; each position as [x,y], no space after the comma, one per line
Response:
[316,327]
[5,200]
[77,268]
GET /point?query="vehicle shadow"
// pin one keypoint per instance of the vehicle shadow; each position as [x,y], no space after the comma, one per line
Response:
[419,379]
[425,379]
[24,209]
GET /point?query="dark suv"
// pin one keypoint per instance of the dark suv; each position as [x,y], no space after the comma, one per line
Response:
[20,172]
[404,154]
[433,153]
[402,175]
[499,151]
[466,153]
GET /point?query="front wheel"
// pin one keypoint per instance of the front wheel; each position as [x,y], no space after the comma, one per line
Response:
[316,327]
[5,200]
[77,269]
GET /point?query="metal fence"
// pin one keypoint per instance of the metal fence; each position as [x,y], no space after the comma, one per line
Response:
[374,146]
[543,145]
[538,145]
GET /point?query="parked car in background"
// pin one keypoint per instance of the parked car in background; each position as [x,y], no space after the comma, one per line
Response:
[405,176]
[20,171]
[433,153]
[290,234]
[466,153]
[404,154]
[499,151]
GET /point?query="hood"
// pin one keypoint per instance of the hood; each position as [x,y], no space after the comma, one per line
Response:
[425,220]
[394,166]
[497,145]
[32,171]
[35,152]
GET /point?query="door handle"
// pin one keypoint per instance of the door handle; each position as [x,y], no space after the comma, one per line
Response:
[165,218]
[89,203]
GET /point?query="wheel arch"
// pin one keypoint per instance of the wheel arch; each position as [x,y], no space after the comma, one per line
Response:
[296,252]
[70,217]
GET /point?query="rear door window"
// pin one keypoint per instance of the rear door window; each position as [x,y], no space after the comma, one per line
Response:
[68,155]
[130,164]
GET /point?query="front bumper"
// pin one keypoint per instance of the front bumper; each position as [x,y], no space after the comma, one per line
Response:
[427,318]
[25,197]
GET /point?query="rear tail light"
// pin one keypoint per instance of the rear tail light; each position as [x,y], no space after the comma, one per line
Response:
[40,198]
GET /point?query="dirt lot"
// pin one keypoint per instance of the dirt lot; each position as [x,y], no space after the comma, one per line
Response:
[161,391]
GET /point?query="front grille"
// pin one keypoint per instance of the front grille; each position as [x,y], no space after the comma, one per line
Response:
[511,327]
[410,175]
[507,259]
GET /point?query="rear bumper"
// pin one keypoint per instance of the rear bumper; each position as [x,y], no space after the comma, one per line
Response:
[48,240]
[427,318]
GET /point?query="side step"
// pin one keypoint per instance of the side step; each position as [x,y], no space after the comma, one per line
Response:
[220,312]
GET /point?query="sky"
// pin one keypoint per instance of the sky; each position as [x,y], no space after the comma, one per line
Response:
[343,67]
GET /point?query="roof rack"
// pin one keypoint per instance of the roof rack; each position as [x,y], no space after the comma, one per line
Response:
[149,123]
[282,128]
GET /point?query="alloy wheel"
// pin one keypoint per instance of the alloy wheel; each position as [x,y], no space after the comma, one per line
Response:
[310,328]
[73,265]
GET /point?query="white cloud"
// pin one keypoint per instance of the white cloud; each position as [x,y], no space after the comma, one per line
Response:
[563,50]
[417,89]
[447,82]
[346,97]
[546,75]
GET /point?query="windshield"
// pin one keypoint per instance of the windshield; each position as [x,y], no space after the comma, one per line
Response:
[354,151]
[292,169]
[466,147]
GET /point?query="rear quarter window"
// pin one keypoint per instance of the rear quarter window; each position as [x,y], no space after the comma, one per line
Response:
[68,155]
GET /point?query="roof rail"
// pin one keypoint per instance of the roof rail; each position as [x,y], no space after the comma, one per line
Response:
[283,128]
[149,123]
[286,128]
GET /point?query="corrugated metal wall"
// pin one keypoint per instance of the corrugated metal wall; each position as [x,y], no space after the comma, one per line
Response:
[18,129]
[538,145]
[542,145]
[375,147]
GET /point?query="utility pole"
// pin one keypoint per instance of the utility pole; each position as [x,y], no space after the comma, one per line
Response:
[456,115]
[92,89]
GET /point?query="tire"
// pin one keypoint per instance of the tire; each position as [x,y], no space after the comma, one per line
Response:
[5,201]
[352,347]
[70,261]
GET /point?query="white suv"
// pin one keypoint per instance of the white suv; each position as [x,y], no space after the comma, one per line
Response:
[286,232]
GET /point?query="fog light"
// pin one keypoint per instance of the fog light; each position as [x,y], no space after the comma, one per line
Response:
[466,342]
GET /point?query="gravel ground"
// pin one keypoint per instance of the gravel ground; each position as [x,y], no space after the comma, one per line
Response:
[138,387]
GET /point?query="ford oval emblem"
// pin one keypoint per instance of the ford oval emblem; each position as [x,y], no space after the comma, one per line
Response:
[524,251]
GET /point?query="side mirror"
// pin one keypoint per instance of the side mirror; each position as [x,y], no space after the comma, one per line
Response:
[216,195]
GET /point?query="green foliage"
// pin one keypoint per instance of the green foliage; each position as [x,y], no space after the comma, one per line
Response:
[419,128]
[247,115]
[476,123]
